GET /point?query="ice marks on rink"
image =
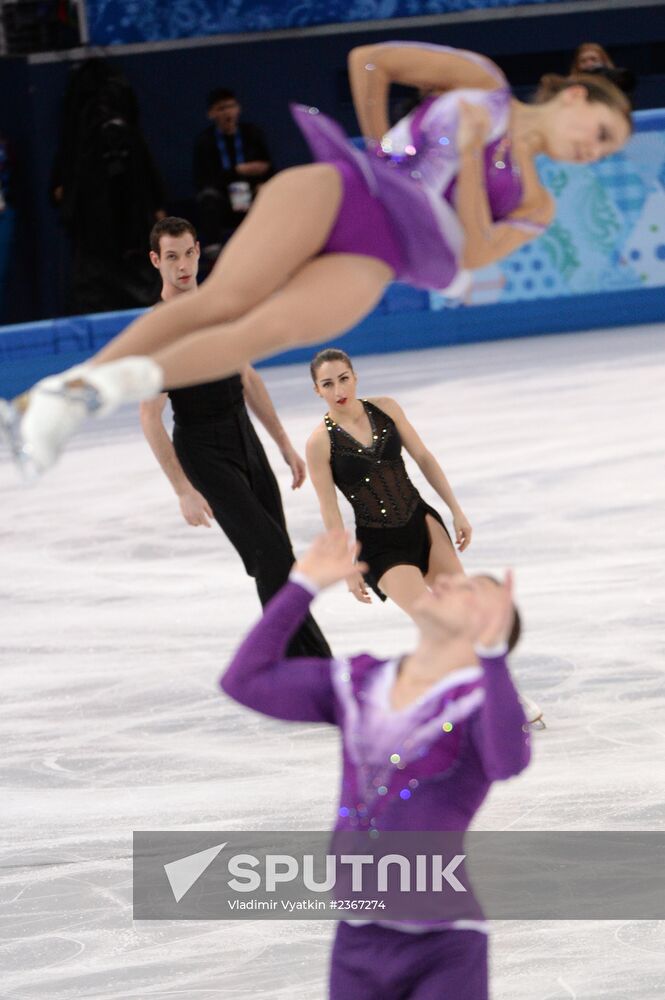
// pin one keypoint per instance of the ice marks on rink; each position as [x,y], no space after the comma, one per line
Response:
[118,619]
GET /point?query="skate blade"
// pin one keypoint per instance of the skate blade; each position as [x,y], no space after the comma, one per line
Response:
[537,725]
[10,430]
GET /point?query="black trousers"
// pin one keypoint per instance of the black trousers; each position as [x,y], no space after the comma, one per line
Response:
[225,461]
[217,220]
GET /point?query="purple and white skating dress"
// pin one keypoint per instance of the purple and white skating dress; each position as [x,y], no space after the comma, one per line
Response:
[397,202]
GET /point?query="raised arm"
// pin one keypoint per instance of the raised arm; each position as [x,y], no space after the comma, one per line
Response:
[497,729]
[429,467]
[373,68]
[260,403]
[259,676]
[193,505]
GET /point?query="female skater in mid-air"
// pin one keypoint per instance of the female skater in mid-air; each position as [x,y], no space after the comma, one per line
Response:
[358,448]
[452,186]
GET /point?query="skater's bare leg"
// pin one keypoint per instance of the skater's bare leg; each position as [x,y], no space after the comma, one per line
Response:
[442,555]
[327,296]
[323,296]
[288,225]
[404,585]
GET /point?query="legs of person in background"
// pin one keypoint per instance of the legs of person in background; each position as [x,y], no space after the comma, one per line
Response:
[442,555]
[210,207]
[248,508]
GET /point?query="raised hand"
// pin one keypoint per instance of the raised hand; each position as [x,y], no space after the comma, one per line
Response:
[497,614]
[473,127]
[330,558]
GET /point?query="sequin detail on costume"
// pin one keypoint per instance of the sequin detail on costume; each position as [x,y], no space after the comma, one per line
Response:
[411,175]
[373,477]
[384,747]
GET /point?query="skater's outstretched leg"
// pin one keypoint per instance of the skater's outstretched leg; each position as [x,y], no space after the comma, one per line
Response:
[287,226]
[326,296]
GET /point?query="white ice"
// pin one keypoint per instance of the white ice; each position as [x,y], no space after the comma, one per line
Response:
[118,618]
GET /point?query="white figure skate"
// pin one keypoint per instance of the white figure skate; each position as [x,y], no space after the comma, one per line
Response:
[533,712]
[38,424]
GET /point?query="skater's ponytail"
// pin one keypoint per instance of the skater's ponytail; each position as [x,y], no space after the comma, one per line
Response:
[599,87]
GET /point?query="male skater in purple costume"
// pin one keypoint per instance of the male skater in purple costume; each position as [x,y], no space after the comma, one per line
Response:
[423,738]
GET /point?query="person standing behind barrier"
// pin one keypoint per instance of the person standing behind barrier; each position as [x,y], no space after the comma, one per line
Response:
[231,159]
[107,189]
[216,463]
[590,58]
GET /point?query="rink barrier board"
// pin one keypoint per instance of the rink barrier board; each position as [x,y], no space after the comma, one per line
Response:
[402,322]
[126,23]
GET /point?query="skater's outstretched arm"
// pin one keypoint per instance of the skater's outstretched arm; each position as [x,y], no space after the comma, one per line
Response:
[498,727]
[259,677]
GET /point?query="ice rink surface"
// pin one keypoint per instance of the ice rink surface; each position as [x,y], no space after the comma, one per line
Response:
[117,619]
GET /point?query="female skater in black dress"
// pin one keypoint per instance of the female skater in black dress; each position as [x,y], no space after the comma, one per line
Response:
[358,449]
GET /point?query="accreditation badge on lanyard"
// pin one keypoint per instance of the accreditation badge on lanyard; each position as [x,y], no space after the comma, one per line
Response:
[240,192]
[224,152]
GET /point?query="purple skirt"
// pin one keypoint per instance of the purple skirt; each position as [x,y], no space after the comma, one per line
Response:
[385,212]
[362,225]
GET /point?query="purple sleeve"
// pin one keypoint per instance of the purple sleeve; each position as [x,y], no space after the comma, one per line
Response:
[502,744]
[297,689]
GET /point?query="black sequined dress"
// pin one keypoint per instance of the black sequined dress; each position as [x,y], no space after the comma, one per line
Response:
[389,511]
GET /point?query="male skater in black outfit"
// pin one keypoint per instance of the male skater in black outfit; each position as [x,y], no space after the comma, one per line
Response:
[216,463]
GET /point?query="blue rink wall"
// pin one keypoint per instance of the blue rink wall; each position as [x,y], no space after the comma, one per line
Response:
[601,264]
[121,22]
